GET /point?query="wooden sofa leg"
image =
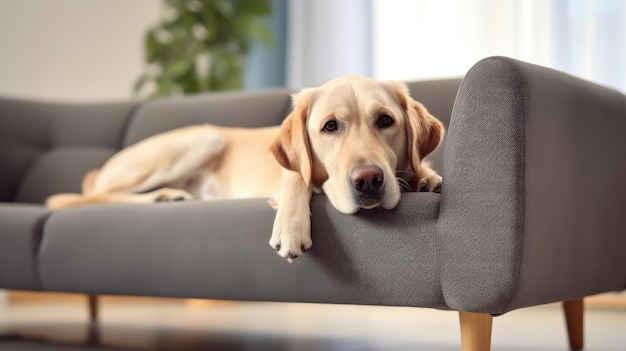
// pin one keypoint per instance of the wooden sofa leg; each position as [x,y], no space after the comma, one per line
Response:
[574,318]
[93,308]
[475,331]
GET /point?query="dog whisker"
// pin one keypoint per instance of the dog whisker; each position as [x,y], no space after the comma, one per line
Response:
[404,185]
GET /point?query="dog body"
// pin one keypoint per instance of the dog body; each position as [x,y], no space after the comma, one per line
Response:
[358,140]
[198,162]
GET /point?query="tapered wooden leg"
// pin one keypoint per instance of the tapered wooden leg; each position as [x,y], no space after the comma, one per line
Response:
[475,331]
[574,319]
[93,308]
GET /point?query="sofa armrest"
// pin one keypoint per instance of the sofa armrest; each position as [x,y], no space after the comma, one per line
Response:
[533,197]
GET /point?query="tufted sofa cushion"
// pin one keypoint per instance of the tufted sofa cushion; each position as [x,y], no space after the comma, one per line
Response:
[47,148]
[231,109]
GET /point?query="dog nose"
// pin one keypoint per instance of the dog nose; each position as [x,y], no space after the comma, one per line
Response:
[367,179]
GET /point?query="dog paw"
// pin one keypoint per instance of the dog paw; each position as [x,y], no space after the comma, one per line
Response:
[431,184]
[291,238]
[171,195]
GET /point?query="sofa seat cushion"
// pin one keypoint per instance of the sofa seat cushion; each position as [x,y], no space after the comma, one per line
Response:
[21,228]
[220,250]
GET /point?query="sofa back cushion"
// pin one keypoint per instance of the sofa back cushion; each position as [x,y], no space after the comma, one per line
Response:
[46,148]
[230,109]
[265,108]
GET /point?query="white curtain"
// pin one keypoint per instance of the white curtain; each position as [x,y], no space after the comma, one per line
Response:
[425,39]
[589,40]
[417,39]
[327,39]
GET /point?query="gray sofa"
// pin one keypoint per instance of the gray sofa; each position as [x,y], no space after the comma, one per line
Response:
[531,212]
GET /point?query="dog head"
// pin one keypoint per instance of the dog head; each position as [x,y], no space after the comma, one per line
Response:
[351,135]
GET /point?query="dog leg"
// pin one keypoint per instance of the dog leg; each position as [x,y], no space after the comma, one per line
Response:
[152,163]
[63,201]
[89,180]
[429,181]
[160,160]
[291,235]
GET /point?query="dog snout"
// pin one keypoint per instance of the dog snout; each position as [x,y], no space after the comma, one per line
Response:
[367,179]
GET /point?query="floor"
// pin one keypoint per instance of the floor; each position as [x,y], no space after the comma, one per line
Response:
[170,324]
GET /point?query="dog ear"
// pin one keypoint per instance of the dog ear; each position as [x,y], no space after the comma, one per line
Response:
[291,147]
[424,132]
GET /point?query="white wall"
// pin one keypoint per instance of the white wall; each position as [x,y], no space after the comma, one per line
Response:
[74,50]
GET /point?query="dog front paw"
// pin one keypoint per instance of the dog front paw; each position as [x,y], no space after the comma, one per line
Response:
[291,238]
[432,184]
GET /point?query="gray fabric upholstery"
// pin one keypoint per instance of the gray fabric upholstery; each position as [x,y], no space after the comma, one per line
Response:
[481,216]
[261,109]
[532,208]
[37,138]
[575,167]
[20,236]
[60,170]
[220,250]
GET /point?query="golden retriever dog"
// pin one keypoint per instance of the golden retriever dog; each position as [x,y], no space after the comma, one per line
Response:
[358,140]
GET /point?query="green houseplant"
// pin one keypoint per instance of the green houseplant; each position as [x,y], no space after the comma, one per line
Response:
[201,45]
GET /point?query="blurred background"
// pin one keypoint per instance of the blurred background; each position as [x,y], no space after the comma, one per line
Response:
[78,50]
[103,50]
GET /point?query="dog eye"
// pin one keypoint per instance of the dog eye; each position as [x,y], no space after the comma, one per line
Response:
[330,126]
[384,121]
